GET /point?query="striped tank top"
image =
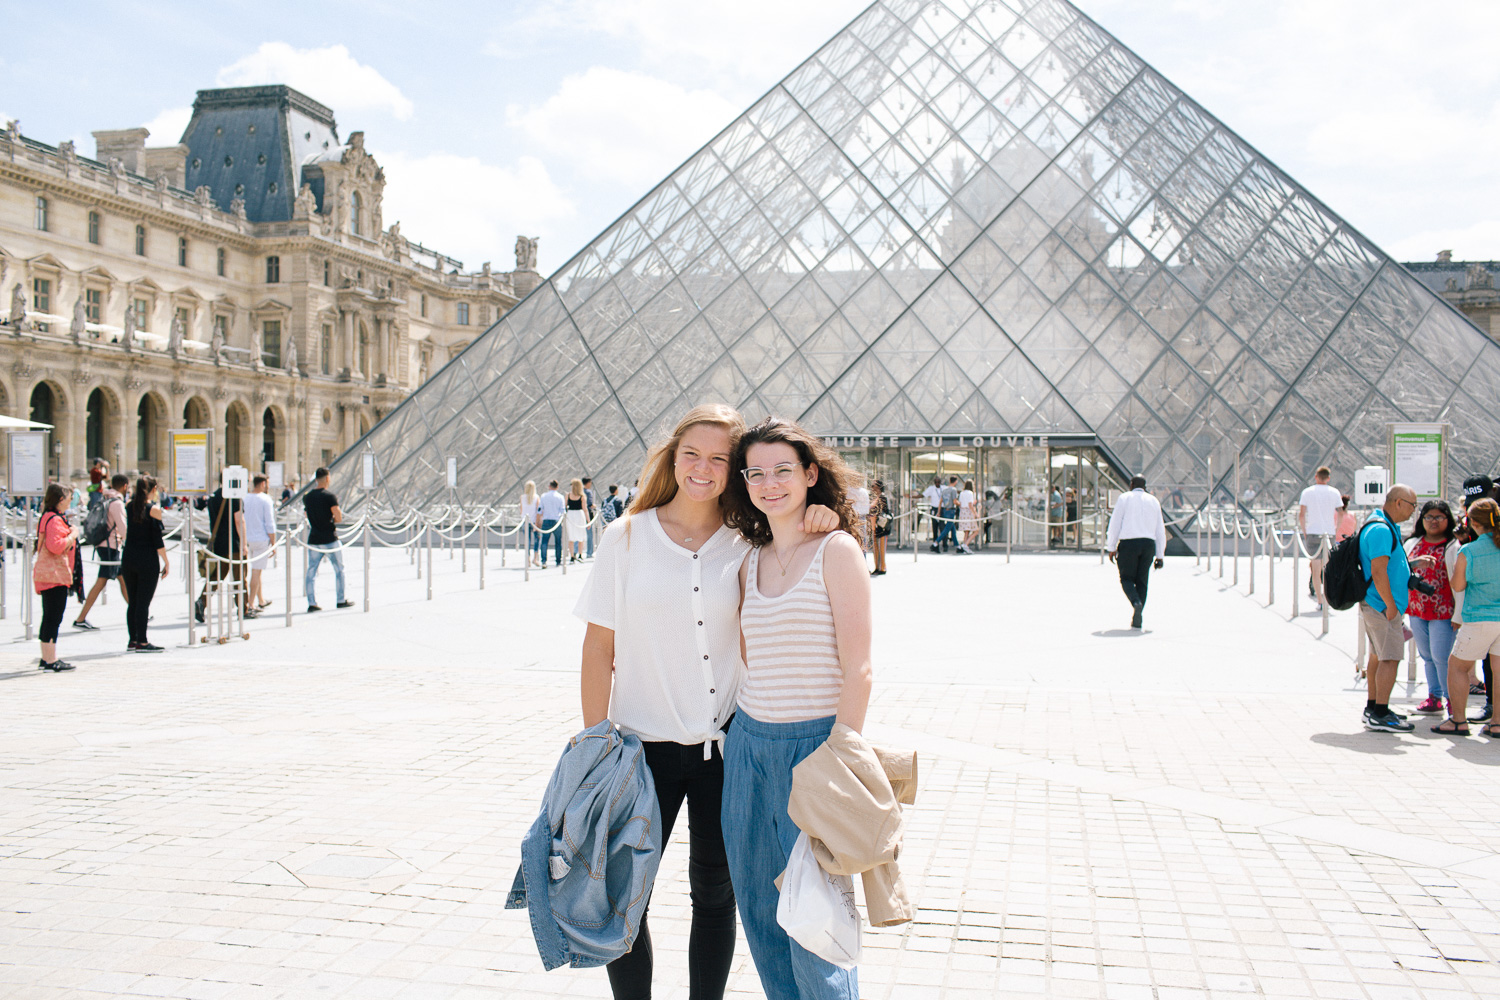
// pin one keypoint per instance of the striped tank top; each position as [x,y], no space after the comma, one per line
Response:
[792,670]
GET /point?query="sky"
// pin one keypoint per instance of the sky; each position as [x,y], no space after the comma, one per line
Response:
[550,118]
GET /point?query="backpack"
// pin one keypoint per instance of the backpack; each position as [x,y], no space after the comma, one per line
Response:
[1344,580]
[96,525]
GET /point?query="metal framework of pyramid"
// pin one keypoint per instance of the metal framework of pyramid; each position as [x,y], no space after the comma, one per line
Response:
[961,217]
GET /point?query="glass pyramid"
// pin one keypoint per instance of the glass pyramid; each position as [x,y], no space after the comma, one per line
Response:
[963,217]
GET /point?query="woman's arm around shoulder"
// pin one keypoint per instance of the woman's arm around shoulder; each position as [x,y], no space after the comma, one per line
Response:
[848,584]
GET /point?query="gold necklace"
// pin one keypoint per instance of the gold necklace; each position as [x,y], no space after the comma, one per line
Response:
[778,555]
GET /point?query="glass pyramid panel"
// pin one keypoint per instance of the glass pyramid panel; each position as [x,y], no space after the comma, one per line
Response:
[966,216]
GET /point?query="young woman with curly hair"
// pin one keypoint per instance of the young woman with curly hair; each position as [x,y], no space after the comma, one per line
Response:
[805,625]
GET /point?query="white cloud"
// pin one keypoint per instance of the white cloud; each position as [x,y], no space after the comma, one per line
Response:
[624,127]
[167,127]
[330,75]
[471,210]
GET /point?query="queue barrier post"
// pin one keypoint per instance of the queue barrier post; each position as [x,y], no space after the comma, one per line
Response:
[1223,531]
[189,570]
[288,562]
[26,570]
[1271,583]
[561,527]
[1323,547]
[1252,557]
[484,541]
[1296,574]
[429,560]
[367,564]
[4,553]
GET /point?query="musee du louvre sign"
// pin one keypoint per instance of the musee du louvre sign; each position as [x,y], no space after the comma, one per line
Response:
[848,441]
[960,218]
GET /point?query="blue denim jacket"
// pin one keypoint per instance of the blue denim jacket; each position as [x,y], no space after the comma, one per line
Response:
[588,862]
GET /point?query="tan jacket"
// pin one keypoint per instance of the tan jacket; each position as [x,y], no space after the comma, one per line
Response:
[847,796]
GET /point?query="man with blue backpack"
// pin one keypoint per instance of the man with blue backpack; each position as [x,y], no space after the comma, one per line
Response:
[1382,611]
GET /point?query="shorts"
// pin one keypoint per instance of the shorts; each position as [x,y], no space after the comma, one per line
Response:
[107,555]
[1387,638]
[1314,542]
[1476,640]
[258,557]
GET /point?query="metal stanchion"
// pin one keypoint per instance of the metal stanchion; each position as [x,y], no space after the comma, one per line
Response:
[1411,660]
[1359,655]
[287,541]
[562,530]
[367,563]
[484,544]
[1010,533]
[1223,532]
[190,570]
[429,562]
[4,553]
[1235,579]
[416,547]
[463,543]
[526,533]
[26,569]
[1296,574]
[1098,530]
[1252,556]
[1271,583]
[1323,559]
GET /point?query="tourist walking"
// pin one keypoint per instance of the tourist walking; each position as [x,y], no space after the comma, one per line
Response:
[108,551]
[1386,567]
[1317,517]
[323,517]
[223,559]
[143,561]
[968,517]
[1056,511]
[1431,614]
[1477,488]
[661,660]
[260,533]
[948,511]
[932,498]
[1136,540]
[880,525]
[551,507]
[52,570]
[1477,577]
[578,520]
[611,507]
[592,508]
[531,518]
[806,622]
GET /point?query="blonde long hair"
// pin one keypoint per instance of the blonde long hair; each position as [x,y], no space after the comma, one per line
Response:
[575,488]
[529,490]
[658,475]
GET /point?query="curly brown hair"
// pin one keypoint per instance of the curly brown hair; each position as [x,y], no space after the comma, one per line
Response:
[835,479]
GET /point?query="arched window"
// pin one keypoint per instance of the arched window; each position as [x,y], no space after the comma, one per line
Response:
[356,208]
[93,426]
[268,435]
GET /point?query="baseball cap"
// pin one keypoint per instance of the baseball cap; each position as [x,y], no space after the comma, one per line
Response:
[1477,488]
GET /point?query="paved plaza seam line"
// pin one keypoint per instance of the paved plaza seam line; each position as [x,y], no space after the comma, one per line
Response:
[1354,837]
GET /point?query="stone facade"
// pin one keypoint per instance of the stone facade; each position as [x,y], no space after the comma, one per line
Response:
[1470,285]
[288,321]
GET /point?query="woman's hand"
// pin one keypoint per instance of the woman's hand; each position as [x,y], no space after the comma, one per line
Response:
[819,520]
[165,569]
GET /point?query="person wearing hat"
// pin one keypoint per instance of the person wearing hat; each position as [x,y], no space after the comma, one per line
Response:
[1477,488]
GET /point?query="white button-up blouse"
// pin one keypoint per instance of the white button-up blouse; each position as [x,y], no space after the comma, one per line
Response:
[675,615]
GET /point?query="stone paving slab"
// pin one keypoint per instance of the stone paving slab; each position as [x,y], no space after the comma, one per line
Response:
[335,809]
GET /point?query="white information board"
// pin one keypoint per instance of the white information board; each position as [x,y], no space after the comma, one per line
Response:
[1370,486]
[235,482]
[276,475]
[1417,458]
[453,473]
[367,470]
[189,451]
[26,465]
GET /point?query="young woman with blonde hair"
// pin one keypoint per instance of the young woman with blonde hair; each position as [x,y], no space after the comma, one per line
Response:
[661,660]
[578,520]
[531,505]
[805,625]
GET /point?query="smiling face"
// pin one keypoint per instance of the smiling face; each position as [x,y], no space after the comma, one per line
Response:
[771,497]
[702,464]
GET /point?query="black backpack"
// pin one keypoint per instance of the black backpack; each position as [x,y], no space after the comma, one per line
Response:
[96,524]
[1344,580]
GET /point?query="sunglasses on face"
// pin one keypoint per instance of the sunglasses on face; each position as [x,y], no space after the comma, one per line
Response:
[783,473]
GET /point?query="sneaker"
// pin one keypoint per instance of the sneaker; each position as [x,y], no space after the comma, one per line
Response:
[85,626]
[344,604]
[1431,706]
[313,607]
[1476,688]
[1485,713]
[146,647]
[1135,619]
[198,609]
[1388,722]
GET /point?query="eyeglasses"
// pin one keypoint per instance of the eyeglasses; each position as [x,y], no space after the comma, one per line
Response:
[756,476]
[1434,516]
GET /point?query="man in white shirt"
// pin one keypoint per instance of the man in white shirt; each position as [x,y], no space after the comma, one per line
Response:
[1137,539]
[260,533]
[859,497]
[551,508]
[932,496]
[1317,516]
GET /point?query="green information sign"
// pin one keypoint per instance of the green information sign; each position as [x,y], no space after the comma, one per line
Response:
[1417,458]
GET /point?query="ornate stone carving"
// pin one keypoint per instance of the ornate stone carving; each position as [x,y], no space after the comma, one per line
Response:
[216,345]
[178,389]
[175,336]
[80,317]
[81,375]
[133,382]
[220,392]
[204,196]
[23,369]
[306,204]
[259,396]
[237,208]
[67,156]
[1478,278]
[127,338]
[291,354]
[526,252]
[18,321]
[117,172]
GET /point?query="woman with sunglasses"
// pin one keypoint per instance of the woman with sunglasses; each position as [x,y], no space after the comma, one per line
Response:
[1431,615]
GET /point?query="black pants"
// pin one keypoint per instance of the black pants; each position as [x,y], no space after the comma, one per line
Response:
[681,772]
[140,584]
[54,603]
[1133,557]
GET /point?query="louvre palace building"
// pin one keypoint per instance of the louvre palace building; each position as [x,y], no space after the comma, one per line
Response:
[978,238]
[242,279]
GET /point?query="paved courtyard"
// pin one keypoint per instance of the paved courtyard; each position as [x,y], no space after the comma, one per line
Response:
[335,809]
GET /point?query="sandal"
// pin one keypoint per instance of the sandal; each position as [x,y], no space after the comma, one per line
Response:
[1492,731]
[1448,727]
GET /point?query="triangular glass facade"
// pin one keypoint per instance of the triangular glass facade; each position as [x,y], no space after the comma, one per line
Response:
[964,217]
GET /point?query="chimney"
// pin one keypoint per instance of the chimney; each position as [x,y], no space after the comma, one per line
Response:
[129,144]
[170,160]
[1445,257]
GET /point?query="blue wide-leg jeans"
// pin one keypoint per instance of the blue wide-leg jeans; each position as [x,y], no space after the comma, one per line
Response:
[758,838]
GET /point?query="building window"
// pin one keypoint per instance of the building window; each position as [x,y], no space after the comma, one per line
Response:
[142,315]
[182,251]
[325,351]
[221,328]
[270,343]
[93,304]
[484,314]
[424,306]
[41,213]
[463,313]
[140,241]
[219,261]
[273,270]
[186,319]
[327,274]
[41,299]
[356,209]
[94,228]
